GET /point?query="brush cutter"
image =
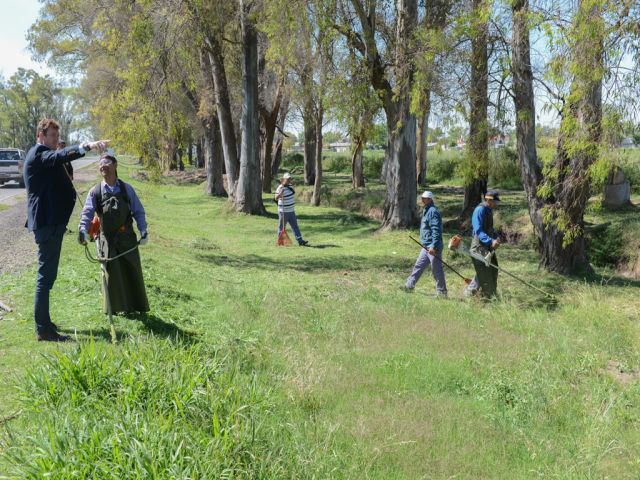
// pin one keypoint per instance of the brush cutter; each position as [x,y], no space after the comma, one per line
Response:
[456,245]
[466,280]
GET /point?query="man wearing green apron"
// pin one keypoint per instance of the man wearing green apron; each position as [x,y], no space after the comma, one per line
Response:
[116,205]
[485,241]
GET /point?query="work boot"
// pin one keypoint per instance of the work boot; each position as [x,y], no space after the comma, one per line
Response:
[406,289]
[51,336]
[303,243]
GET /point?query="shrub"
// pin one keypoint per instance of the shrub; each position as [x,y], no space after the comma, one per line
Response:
[606,248]
[291,160]
[504,171]
[338,164]
[373,166]
[441,167]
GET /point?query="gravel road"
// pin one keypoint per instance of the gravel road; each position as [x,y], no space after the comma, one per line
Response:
[17,247]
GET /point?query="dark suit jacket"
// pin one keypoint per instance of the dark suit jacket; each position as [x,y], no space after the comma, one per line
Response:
[50,193]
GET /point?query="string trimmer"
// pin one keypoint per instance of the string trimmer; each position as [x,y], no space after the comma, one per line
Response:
[457,245]
[466,280]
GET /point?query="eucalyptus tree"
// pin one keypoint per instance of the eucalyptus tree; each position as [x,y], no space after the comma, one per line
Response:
[386,50]
[211,18]
[248,195]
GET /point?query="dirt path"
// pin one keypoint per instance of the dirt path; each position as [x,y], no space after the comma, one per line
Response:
[17,248]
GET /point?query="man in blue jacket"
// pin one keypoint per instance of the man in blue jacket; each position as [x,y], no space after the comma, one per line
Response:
[50,201]
[431,255]
[485,241]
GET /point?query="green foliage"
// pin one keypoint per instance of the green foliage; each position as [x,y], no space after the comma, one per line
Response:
[504,170]
[292,160]
[26,98]
[607,248]
[442,166]
[372,164]
[337,164]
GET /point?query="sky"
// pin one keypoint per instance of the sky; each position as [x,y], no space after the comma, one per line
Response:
[18,16]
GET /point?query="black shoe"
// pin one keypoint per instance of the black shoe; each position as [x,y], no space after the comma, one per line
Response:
[303,243]
[54,327]
[52,336]
[406,289]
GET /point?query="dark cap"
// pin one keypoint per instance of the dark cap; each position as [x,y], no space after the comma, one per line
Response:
[492,195]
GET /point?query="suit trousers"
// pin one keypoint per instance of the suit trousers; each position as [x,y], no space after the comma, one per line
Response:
[49,240]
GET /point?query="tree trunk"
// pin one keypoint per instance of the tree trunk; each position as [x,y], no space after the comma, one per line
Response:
[270,120]
[223,104]
[199,153]
[248,194]
[277,157]
[357,171]
[524,101]
[421,145]
[190,153]
[478,151]
[400,208]
[317,185]
[214,159]
[558,217]
[310,137]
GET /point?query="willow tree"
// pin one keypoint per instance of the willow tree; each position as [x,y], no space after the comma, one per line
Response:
[557,195]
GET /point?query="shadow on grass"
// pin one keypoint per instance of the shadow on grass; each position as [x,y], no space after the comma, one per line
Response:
[328,245]
[102,333]
[152,323]
[331,263]
[161,328]
[612,280]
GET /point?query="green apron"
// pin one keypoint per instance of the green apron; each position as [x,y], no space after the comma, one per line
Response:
[124,275]
[487,276]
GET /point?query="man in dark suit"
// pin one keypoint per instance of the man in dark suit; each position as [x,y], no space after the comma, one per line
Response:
[67,166]
[50,201]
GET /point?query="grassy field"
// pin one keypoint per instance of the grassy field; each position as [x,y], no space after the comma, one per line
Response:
[264,362]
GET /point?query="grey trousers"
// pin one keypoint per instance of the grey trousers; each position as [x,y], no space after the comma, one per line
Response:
[424,260]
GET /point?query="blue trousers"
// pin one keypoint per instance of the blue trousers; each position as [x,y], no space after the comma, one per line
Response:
[424,260]
[49,240]
[290,218]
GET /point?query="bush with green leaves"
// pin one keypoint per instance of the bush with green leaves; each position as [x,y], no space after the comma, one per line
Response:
[338,164]
[373,162]
[504,170]
[290,160]
[442,166]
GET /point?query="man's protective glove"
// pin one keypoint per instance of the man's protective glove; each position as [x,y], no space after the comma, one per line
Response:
[83,238]
[144,239]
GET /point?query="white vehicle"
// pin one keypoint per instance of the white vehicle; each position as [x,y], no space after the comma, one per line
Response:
[11,165]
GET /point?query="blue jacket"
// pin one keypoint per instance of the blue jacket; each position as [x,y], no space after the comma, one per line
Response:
[431,228]
[482,223]
[50,192]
